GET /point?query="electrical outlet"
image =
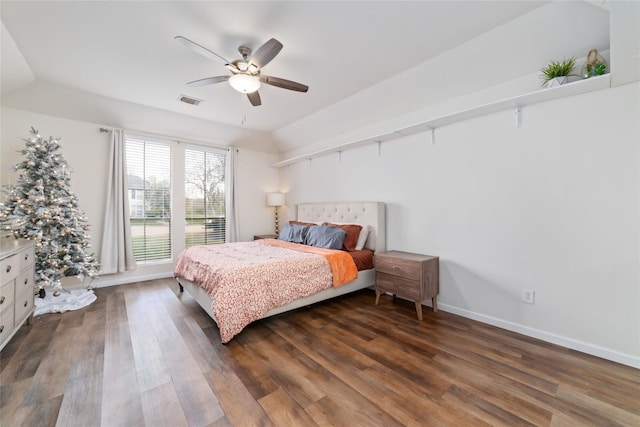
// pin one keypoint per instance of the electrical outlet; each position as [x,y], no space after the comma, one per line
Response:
[528,296]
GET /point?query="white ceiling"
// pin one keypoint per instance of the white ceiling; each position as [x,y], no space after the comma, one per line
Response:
[367,63]
[126,50]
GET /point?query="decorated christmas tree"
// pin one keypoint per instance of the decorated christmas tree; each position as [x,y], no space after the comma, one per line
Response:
[42,207]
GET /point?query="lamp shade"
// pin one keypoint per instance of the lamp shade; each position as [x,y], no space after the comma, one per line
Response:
[244,83]
[275,199]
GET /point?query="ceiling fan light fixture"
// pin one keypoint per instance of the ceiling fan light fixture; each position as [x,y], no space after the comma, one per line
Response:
[244,83]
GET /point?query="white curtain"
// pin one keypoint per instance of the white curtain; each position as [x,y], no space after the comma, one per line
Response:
[117,248]
[231,227]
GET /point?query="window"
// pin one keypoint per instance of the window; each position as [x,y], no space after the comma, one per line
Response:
[204,196]
[149,176]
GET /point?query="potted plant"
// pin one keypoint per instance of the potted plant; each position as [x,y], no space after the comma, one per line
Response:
[594,66]
[596,69]
[556,73]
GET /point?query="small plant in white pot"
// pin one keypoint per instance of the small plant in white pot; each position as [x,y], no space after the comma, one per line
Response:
[557,72]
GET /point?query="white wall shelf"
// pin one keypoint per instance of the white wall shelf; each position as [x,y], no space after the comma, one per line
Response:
[516,102]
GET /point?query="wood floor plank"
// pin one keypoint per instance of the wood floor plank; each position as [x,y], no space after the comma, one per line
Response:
[11,397]
[50,379]
[121,402]
[616,414]
[198,401]
[161,407]
[41,414]
[327,412]
[237,402]
[145,354]
[254,376]
[82,402]
[25,354]
[283,410]
[290,372]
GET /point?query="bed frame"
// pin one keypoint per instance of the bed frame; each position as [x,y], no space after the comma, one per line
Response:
[363,213]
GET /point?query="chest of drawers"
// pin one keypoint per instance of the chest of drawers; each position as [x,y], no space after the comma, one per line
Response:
[16,286]
[412,276]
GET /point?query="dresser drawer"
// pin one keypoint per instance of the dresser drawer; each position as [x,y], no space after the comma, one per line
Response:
[17,261]
[27,258]
[24,282]
[6,296]
[9,268]
[398,267]
[24,305]
[6,323]
[398,286]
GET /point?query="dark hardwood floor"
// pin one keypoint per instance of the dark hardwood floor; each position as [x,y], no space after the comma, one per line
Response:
[146,355]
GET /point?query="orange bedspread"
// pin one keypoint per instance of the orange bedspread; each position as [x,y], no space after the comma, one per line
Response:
[342,266]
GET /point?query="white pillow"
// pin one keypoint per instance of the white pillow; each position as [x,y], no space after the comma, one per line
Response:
[362,238]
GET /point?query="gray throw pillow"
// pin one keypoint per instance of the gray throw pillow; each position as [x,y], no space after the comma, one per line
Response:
[293,233]
[325,237]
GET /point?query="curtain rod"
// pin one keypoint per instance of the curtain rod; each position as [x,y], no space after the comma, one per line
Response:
[178,140]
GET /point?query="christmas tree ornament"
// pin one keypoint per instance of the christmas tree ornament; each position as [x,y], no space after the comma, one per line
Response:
[42,207]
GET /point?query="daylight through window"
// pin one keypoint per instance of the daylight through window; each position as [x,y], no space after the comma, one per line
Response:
[149,176]
[204,195]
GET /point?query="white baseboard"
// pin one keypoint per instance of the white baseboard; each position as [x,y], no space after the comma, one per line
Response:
[592,349]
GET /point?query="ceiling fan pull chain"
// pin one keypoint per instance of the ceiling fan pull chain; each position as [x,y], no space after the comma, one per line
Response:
[244,112]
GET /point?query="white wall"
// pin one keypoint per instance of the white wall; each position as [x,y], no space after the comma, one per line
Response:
[86,150]
[551,206]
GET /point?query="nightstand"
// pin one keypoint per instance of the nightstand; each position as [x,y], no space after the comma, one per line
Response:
[409,275]
[264,236]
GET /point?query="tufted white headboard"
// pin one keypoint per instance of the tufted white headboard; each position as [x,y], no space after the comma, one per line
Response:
[362,213]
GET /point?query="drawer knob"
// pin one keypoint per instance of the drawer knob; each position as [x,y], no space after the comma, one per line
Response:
[26,303]
[8,268]
[1,328]
[2,299]
[26,257]
[26,281]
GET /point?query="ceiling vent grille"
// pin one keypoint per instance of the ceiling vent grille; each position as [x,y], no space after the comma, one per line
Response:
[189,100]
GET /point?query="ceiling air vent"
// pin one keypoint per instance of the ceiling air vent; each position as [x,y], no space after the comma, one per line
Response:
[189,100]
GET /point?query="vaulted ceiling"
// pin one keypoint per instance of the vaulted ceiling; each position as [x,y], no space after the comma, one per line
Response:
[126,50]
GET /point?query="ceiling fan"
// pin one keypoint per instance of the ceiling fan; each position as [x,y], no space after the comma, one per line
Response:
[246,74]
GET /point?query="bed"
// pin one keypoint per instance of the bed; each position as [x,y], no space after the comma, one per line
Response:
[371,214]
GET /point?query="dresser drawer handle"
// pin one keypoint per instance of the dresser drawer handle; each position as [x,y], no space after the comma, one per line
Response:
[1,328]
[2,299]
[26,303]
[8,268]
[26,281]
[26,257]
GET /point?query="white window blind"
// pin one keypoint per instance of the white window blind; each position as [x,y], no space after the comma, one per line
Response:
[149,176]
[205,195]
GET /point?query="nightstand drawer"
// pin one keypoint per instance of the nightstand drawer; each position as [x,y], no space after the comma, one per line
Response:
[398,267]
[398,285]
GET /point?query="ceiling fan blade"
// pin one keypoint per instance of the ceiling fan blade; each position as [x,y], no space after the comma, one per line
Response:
[209,81]
[254,97]
[266,53]
[201,50]
[284,83]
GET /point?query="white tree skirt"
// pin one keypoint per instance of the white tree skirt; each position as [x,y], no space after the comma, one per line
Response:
[67,300]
